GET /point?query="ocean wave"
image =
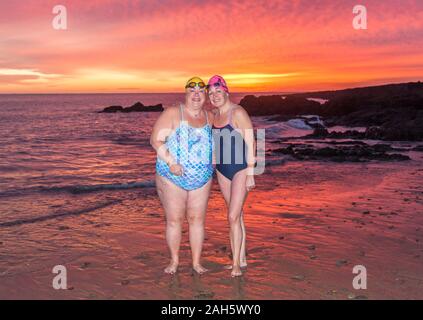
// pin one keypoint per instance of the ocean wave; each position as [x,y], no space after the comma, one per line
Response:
[77,189]
[299,124]
[275,162]
[97,187]
[57,214]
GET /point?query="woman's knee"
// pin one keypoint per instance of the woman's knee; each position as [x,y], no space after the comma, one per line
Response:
[159,191]
[195,219]
[174,222]
[234,218]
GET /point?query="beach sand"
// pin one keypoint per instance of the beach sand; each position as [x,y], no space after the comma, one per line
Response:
[308,224]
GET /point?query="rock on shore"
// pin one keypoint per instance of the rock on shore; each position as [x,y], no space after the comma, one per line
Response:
[137,107]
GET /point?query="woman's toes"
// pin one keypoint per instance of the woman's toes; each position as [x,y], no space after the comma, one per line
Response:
[171,268]
[200,269]
[236,271]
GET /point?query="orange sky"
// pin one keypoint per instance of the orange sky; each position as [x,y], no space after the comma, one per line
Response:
[155,46]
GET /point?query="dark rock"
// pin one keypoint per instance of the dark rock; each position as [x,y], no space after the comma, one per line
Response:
[320,132]
[361,298]
[389,112]
[340,263]
[277,105]
[204,294]
[137,107]
[381,147]
[341,153]
[112,109]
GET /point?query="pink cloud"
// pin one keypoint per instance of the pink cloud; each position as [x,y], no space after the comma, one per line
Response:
[204,37]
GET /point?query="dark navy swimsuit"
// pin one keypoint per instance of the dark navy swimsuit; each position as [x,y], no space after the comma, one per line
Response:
[230,149]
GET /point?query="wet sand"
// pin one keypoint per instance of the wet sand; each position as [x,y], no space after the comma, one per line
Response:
[308,224]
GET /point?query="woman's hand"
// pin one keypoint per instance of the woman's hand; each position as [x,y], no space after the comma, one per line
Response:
[249,183]
[176,169]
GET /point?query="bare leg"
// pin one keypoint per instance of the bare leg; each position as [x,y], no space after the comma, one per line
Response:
[243,257]
[238,196]
[196,214]
[173,200]
[225,188]
[235,194]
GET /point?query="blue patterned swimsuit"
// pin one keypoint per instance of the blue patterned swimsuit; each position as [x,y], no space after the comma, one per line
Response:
[192,148]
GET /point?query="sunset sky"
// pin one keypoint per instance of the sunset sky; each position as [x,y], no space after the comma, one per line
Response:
[155,46]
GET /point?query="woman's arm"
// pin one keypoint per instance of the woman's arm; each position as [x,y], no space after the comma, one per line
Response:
[242,121]
[211,116]
[162,129]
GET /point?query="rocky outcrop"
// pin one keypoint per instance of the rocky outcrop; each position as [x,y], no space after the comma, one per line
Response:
[278,105]
[137,107]
[389,112]
[351,153]
[112,109]
[385,132]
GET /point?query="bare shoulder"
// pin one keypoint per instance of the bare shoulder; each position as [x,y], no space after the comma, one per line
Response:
[239,111]
[168,118]
[171,114]
[171,111]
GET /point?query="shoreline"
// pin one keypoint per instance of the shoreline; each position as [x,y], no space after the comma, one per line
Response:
[296,228]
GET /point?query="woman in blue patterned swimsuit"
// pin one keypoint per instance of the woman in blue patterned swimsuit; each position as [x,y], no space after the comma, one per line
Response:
[182,138]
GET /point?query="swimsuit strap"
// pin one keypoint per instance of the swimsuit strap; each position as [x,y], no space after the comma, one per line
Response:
[230,115]
[178,150]
[207,118]
[182,112]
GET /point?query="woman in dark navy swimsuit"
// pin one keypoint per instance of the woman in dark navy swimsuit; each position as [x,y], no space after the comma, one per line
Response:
[234,146]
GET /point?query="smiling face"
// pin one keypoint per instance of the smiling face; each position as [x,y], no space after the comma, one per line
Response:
[195,97]
[218,97]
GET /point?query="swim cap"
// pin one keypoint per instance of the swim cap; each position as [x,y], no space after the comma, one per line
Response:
[218,81]
[197,81]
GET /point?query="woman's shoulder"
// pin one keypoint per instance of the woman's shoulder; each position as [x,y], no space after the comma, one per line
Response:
[171,112]
[172,109]
[169,117]
[239,111]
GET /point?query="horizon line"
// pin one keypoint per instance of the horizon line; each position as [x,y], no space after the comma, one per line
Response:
[182,92]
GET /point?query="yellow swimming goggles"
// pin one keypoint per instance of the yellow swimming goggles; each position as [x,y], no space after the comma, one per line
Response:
[195,81]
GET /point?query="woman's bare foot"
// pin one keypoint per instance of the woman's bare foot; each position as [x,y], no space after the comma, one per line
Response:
[199,269]
[172,267]
[236,271]
[229,266]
